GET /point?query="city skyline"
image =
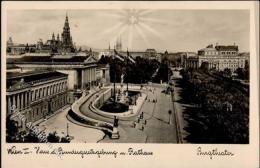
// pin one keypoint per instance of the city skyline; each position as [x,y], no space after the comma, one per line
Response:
[172,30]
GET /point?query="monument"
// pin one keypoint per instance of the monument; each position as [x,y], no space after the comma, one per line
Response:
[115,132]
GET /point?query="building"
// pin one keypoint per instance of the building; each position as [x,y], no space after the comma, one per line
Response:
[102,74]
[59,44]
[151,54]
[219,58]
[35,95]
[81,68]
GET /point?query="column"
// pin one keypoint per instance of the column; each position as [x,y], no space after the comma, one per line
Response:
[14,101]
[25,99]
[90,76]
[82,79]
[9,105]
[22,100]
[30,97]
[76,80]
[95,74]
[43,92]
[18,101]
[46,94]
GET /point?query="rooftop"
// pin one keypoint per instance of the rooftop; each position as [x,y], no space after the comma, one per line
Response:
[47,58]
[17,80]
[227,48]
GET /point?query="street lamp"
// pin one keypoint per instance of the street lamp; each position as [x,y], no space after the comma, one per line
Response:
[170,113]
[67,129]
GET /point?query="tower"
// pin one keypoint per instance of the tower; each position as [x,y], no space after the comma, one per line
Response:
[53,37]
[66,37]
[58,37]
[119,44]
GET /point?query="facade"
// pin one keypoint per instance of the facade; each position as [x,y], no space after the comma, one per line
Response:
[81,69]
[35,95]
[219,57]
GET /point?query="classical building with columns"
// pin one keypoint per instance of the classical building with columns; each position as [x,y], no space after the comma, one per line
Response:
[35,95]
[219,57]
[81,68]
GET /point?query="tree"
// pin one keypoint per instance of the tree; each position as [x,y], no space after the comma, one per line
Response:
[31,137]
[11,129]
[227,72]
[53,137]
[241,73]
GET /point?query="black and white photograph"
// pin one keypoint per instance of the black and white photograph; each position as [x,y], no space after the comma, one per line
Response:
[127,75]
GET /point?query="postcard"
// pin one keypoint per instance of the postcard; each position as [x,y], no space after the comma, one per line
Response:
[130,84]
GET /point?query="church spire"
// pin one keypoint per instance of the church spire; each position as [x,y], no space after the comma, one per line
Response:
[53,36]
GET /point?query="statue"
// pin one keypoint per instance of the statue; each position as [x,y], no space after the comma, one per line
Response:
[122,78]
[115,121]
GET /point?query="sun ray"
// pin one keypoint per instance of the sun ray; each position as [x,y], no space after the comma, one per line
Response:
[142,35]
[151,30]
[146,11]
[117,35]
[130,37]
[113,28]
[110,30]
[112,14]
[153,20]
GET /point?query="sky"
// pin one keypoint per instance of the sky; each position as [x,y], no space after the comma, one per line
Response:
[172,30]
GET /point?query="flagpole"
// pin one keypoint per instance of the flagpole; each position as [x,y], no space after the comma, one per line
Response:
[127,70]
[114,64]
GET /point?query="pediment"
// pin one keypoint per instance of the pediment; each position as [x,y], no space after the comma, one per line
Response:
[90,59]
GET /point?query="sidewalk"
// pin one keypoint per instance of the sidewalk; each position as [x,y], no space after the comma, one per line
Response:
[179,109]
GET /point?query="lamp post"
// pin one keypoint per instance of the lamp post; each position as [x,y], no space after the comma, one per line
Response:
[67,129]
[127,70]
[170,113]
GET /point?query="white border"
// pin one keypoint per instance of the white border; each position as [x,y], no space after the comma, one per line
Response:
[165,155]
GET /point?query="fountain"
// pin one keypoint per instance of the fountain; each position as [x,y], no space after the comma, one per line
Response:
[122,95]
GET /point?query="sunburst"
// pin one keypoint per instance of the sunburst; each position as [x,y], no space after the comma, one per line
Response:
[133,23]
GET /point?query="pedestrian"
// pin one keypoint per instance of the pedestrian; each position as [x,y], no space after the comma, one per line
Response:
[145,122]
[142,127]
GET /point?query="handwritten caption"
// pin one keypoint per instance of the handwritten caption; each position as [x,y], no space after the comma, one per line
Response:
[214,152]
[83,153]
